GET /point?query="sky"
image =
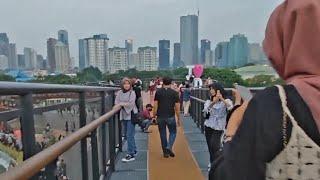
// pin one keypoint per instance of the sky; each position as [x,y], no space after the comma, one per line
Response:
[30,23]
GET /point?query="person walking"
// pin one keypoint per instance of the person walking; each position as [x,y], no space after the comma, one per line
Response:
[215,111]
[186,99]
[126,98]
[279,134]
[166,108]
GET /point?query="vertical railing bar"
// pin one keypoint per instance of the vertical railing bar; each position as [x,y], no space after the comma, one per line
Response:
[82,118]
[103,133]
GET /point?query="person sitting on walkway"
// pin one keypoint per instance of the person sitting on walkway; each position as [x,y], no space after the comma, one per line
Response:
[126,98]
[147,118]
[166,107]
[279,134]
[216,110]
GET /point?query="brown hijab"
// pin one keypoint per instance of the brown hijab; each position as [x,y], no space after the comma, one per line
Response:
[292,43]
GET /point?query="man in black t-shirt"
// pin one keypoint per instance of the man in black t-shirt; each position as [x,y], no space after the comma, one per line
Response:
[166,108]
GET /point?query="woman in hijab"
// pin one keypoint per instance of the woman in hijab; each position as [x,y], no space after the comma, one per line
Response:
[126,97]
[278,137]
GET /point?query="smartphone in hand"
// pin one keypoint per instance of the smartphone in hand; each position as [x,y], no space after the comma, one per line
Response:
[245,93]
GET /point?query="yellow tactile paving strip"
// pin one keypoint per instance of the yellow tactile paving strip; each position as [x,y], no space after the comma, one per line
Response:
[181,167]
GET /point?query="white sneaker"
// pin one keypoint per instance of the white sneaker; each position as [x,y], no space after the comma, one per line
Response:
[209,167]
[128,158]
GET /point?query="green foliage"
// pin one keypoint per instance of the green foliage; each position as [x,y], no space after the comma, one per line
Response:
[4,77]
[59,79]
[226,76]
[90,74]
[263,81]
[179,73]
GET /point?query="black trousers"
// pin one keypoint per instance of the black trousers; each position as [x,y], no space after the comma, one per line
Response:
[213,138]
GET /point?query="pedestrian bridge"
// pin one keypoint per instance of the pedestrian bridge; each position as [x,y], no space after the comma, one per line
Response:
[94,149]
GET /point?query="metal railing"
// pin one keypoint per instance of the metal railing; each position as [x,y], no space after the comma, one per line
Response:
[34,162]
[198,99]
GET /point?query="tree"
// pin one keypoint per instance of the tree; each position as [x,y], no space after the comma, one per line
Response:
[90,74]
[4,77]
[263,81]
[226,76]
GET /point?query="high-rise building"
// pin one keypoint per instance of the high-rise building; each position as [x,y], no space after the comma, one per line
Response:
[177,56]
[62,58]
[129,47]
[208,58]
[118,59]
[221,54]
[21,61]
[4,44]
[189,39]
[164,54]
[30,58]
[83,54]
[148,60]
[134,57]
[205,46]
[51,42]
[256,54]
[94,51]
[13,58]
[40,62]
[63,36]
[238,51]
[3,62]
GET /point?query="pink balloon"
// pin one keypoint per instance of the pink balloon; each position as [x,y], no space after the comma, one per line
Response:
[198,70]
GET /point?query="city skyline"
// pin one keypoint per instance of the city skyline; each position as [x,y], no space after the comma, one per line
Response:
[215,22]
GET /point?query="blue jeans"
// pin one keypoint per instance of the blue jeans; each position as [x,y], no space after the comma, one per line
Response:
[130,130]
[146,123]
[163,123]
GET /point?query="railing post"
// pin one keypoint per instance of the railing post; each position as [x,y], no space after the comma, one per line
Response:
[84,151]
[112,144]
[103,133]
[27,127]
[201,107]
[94,154]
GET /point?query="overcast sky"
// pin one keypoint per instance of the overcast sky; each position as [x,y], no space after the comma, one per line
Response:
[29,23]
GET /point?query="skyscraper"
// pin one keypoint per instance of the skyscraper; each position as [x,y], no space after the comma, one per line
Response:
[129,47]
[13,58]
[3,62]
[164,54]
[148,59]
[238,51]
[51,42]
[30,58]
[189,39]
[63,36]
[256,54]
[4,44]
[40,62]
[177,56]
[221,54]
[83,54]
[205,45]
[62,58]
[118,59]
[94,51]
[21,61]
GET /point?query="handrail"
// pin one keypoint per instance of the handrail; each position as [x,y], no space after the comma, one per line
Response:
[14,88]
[33,165]
[197,99]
